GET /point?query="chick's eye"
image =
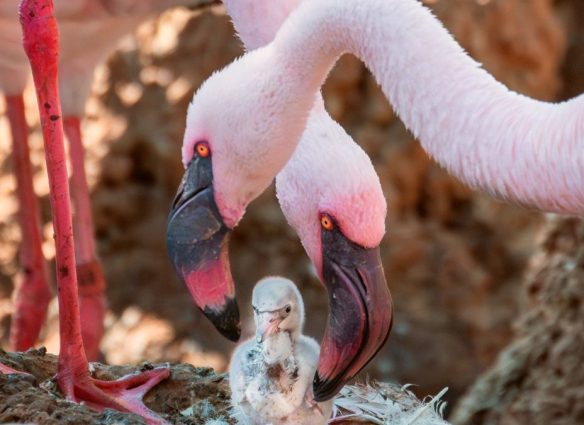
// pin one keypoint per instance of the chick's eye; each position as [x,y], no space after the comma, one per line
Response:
[202,149]
[326,222]
[288,309]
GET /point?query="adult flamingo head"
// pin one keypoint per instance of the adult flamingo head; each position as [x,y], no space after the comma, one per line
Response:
[229,159]
[331,195]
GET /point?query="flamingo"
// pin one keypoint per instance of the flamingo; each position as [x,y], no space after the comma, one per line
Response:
[270,374]
[245,123]
[89,30]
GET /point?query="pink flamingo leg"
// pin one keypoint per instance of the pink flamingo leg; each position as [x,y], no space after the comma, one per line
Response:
[89,272]
[33,294]
[41,43]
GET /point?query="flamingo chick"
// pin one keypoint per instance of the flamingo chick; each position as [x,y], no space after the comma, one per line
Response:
[270,374]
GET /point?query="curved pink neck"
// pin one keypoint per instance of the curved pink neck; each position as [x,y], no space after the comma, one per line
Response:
[514,147]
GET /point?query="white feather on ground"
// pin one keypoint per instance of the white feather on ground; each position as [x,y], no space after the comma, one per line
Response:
[386,404]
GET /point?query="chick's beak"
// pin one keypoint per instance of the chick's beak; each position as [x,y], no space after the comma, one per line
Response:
[360,316]
[267,324]
[197,241]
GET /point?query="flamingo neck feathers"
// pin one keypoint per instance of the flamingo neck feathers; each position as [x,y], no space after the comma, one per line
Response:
[305,186]
[507,144]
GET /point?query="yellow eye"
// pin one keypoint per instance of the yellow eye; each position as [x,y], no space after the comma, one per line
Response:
[202,149]
[326,222]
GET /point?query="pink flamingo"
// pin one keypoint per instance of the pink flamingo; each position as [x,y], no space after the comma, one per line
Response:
[352,194]
[248,120]
[41,42]
[90,30]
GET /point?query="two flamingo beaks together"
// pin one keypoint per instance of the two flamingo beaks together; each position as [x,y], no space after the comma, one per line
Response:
[263,113]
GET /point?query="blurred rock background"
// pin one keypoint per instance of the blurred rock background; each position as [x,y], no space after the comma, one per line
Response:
[538,378]
[455,260]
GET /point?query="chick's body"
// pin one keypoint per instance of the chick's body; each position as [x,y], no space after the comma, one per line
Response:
[271,374]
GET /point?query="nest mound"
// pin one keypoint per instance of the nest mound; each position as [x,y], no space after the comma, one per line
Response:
[191,395]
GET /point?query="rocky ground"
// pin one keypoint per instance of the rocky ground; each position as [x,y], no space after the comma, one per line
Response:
[454,259]
[190,396]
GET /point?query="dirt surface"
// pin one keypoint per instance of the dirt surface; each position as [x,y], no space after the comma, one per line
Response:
[454,259]
[189,396]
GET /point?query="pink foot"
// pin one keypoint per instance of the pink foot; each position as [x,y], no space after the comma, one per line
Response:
[124,394]
[310,402]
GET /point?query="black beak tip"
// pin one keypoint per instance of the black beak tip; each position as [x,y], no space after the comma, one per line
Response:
[324,389]
[226,320]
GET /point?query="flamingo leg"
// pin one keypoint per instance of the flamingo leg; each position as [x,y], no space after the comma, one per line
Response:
[90,277]
[40,39]
[33,293]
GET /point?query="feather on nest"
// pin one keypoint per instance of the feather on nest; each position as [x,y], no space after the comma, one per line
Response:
[385,404]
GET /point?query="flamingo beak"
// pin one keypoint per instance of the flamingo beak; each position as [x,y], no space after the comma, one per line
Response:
[361,312]
[267,324]
[197,241]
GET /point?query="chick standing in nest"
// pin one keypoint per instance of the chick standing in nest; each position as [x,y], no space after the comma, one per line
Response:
[271,374]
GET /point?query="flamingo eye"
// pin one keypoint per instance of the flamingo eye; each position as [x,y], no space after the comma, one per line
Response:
[202,149]
[326,222]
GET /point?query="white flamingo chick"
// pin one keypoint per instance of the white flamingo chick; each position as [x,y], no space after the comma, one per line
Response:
[271,374]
